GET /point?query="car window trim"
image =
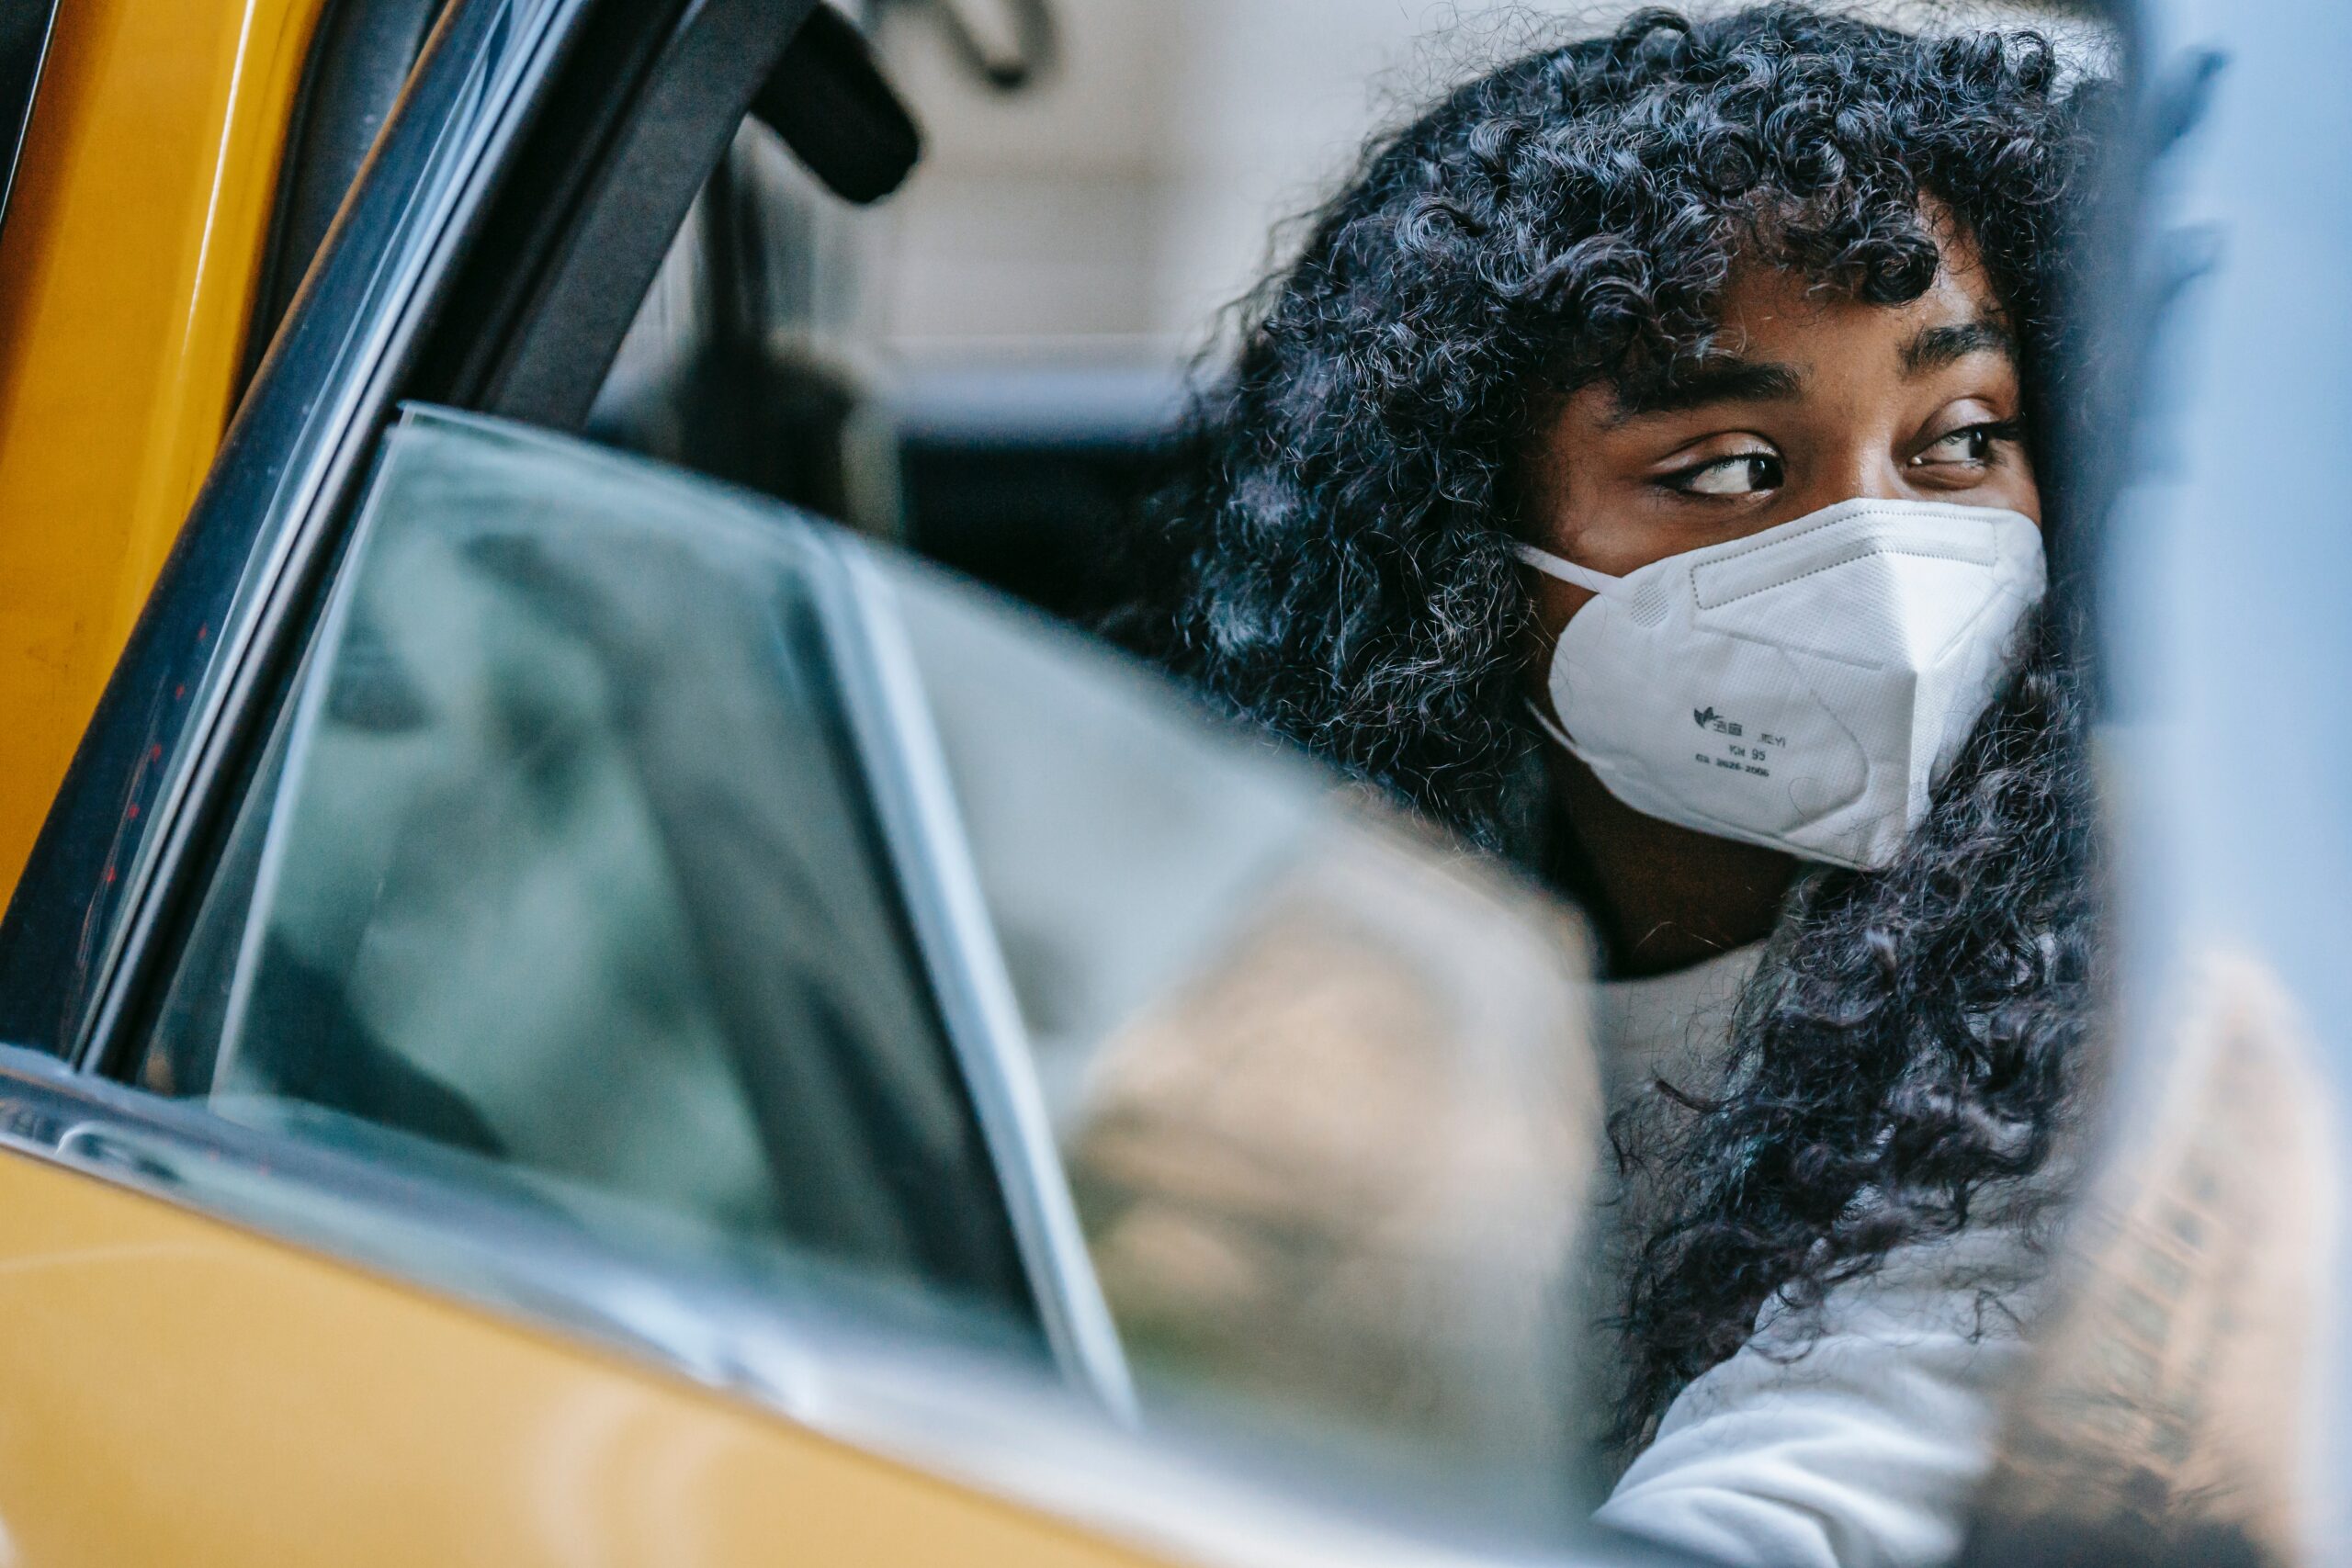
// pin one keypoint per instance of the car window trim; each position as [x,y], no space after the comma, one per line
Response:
[488,160]
[20,73]
[268,610]
[468,117]
[361,54]
[533,342]
[1027,1177]
[265,525]
[483,279]
[924,836]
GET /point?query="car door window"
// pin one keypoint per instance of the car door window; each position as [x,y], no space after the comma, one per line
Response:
[560,873]
[1318,1080]
[640,857]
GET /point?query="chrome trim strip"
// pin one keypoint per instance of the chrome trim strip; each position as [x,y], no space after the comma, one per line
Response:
[924,829]
[309,700]
[515,43]
[26,27]
[411,1227]
[948,1411]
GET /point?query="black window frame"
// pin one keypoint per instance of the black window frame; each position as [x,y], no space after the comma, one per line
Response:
[361,54]
[24,29]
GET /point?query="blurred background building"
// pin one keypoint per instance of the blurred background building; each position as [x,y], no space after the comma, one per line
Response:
[1100,216]
[988,363]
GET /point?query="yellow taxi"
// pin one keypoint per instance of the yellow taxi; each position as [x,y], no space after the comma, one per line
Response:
[558,1010]
[555,1012]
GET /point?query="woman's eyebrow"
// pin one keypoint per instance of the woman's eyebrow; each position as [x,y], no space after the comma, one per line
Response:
[1716,381]
[1936,347]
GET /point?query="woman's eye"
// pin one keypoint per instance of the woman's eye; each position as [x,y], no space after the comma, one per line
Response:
[1747,474]
[1972,446]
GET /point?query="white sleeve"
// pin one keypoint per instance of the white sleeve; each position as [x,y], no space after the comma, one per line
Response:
[1859,1449]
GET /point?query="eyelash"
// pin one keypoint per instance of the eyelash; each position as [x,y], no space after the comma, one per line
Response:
[1681,481]
[1995,433]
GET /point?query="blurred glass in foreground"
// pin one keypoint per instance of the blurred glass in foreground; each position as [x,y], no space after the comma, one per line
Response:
[1318,1078]
[2194,1402]
[827,941]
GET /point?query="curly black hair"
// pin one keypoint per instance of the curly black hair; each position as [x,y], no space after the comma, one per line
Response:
[1333,559]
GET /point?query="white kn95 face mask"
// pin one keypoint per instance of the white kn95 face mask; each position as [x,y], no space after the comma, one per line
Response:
[1801,688]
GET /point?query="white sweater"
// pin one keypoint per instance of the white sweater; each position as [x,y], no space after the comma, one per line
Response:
[1859,1447]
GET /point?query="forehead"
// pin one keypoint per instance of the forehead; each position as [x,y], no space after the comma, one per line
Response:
[1771,313]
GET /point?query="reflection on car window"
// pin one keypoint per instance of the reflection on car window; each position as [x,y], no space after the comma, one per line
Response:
[1319,1083]
[640,856]
[562,860]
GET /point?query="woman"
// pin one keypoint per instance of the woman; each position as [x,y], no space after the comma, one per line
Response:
[1639,470]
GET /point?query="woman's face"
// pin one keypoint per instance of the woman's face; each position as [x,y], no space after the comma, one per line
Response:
[1817,400]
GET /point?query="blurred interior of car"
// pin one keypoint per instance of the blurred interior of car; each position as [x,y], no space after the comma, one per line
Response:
[761,357]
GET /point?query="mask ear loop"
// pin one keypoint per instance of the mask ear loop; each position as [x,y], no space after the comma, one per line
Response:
[1581,576]
[1544,722]
[1569,571]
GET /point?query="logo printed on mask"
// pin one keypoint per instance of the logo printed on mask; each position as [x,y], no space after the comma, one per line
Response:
[1859,644]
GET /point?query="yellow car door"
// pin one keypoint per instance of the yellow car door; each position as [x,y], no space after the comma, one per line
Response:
[132,242]
[504,1053]
[184,1389]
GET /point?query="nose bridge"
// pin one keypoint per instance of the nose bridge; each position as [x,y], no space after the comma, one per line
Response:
[1860,464]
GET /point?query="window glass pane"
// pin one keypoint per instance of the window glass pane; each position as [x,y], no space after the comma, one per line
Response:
[1319,1081]
[562,860]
